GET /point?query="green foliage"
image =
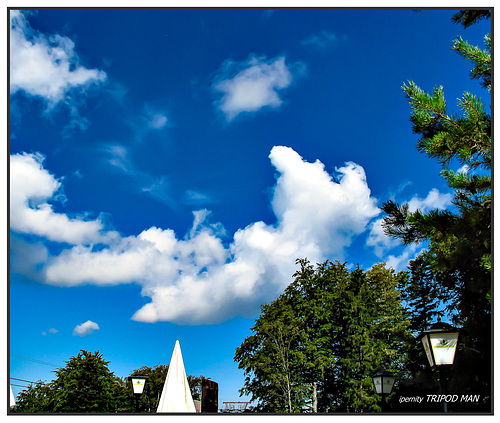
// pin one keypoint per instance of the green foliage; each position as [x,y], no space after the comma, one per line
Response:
[273,360]
[470,17]
[455,270]
[86,385]
[332,328]
[38,398]
[459,241]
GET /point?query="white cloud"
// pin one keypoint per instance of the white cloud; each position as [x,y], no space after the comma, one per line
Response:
[379,240]
[158,187]
[383,243]
[434,200]
[51,330]
[198,279]
[118,157]
[196,197]
[86,328]
[464,169]
[400,262]
[31,186]
[324,40]
[45,65]
[251,85]
[158,121]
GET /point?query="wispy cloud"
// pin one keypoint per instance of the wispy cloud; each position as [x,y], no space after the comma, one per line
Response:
[324,40]
[251,85]
[117,156]
[45,66]
[158,121]
[86,328]
[267,14]
[158,187]
[196,198]
[51,330]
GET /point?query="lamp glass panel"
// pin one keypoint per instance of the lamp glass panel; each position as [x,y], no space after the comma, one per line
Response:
[387,384]
[444,346]
[427,349]
[138,385]
[377,381]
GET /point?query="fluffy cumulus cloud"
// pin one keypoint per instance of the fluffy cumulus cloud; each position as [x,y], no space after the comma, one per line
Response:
[45,65]
[249,86]
[31,187]
[197,279]
[86,328]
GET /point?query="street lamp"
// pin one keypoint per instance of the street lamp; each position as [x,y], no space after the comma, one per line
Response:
[383,382]
[138,384]
[440,344]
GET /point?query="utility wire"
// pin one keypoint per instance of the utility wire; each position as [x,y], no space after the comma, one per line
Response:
[22,386]
[35,361]
[22,380]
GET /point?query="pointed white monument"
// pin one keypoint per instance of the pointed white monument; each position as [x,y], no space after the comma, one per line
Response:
[176,396]
[12,398]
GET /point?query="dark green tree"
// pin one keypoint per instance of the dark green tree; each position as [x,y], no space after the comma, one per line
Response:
[273,360]
[470,17]
[372,335]
[421,296]
[37,398]
[86,385]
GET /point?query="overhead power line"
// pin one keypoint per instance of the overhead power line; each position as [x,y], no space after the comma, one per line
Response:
[34,360]
[22,380]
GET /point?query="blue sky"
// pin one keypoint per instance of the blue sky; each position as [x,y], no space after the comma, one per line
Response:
[167,167]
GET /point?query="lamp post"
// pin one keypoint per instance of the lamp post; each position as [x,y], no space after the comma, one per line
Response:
[138,384]
[440,344]
[383,382]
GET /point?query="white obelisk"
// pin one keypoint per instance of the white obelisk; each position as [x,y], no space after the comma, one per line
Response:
[176,396]
[12,398]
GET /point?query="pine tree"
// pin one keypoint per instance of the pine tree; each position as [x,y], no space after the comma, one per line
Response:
[458,241]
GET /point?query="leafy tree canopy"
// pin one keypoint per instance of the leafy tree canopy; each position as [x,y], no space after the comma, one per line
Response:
[317,345]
